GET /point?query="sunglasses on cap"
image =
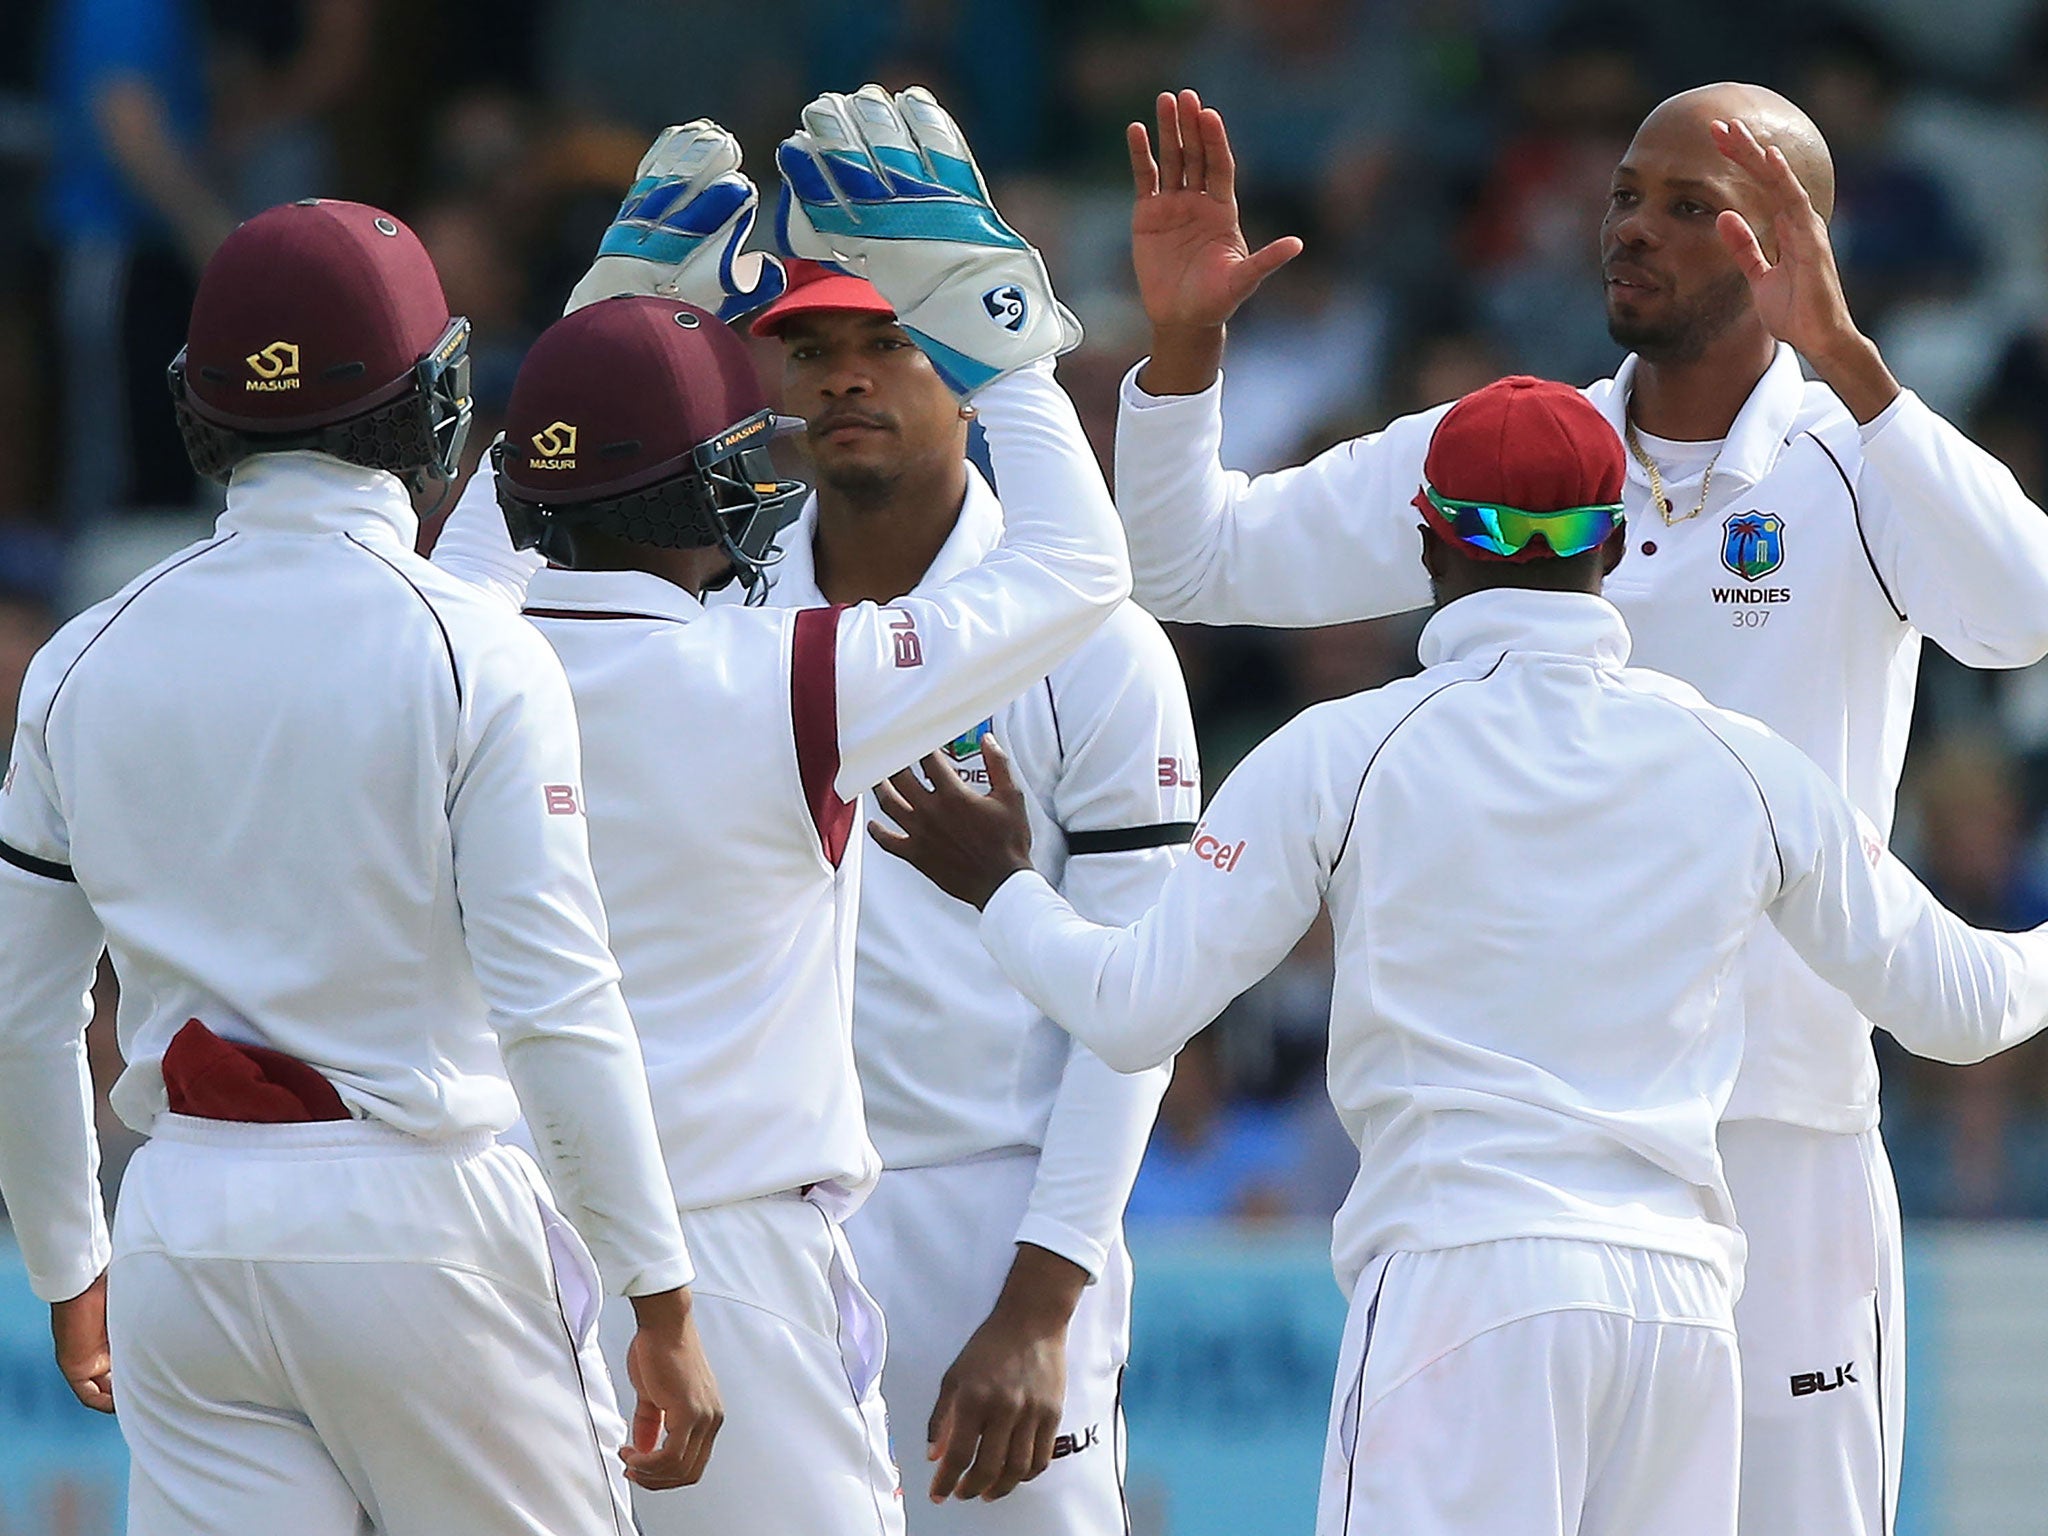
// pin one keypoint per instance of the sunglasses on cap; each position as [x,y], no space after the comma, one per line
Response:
[1507,531]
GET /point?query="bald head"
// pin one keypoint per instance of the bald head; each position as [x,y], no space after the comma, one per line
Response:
[1774,120]
[1674,291]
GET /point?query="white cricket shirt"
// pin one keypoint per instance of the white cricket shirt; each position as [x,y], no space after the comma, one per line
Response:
[322,797]
[726,750]
[1798,595]
[954,1063]
[1541,867]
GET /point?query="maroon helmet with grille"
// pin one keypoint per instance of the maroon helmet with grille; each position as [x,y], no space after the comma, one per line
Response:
[644,419]
[322,324]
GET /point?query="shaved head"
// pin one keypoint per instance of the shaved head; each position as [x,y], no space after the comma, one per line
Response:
[1774,120]
[1673,289]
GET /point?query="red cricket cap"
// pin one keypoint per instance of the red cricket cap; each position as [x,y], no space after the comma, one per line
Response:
[1532,444]
[617,395]
[308,314]
[813,287]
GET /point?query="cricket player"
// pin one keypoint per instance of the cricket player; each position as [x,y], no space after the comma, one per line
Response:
[1542,866]
[320,802]
[993,1239]
[1794,539]
[728,747]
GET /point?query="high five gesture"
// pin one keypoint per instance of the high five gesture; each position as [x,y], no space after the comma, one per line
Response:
[1798,295]
[1193,265]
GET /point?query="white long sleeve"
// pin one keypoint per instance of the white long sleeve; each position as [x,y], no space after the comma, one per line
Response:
[1961,550]
[1127,778]
[1326,542]
[539,950]
[928,666]
[49,1152]
[1244,894]
[1866,924]
[476,545]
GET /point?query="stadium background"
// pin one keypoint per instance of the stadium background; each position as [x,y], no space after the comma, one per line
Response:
[1445,160]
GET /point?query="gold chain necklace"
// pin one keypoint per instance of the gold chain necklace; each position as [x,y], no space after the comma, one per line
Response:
[1635,446]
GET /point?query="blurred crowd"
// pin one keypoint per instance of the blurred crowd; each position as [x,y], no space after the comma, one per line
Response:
[1446,161]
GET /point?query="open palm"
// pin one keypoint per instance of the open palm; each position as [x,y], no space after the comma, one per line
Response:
[1798,296]
[1188,249]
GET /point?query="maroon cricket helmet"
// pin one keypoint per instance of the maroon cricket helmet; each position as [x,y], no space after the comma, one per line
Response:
[322,324]
[1530,444]
[643,418]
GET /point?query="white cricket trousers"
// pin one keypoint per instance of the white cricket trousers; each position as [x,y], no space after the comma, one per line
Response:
[336,1328]
[1822,1325]
[797,1345]
[935,1244]
[1534,1387]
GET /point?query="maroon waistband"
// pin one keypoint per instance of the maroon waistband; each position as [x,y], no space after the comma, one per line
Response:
[215,1079]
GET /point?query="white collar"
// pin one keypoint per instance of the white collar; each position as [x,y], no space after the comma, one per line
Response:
[1484,626]
[1761,426]
[610,594]
[307,492]
[977,530]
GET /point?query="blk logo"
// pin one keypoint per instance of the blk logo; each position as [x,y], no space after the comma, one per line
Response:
[1075,1444]
[1806,1383]
[1006,306]
[561,799]
[909,649]
[276,367]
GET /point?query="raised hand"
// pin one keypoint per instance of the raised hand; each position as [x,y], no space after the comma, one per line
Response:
[680,231]
[886,186]
[1193,266]
[1799,295]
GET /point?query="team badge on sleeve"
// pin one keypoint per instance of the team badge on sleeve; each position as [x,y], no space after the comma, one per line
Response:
[1753,544]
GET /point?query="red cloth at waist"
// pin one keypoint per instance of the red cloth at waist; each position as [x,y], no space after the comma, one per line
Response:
[216,1079]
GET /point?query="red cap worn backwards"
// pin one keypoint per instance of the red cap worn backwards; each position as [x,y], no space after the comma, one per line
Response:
[308,314]
[1531,444]
[815,287]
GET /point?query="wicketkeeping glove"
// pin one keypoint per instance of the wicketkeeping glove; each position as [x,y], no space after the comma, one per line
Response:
[887,188]
[678,233]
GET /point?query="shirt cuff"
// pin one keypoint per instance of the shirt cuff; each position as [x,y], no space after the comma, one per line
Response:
[652,1281]
[71,1280]
[1012,906]
[1884,418]
[1135,399]
[1071,1244]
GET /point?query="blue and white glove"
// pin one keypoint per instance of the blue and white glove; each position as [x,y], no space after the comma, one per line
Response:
[678,233]
[888,189]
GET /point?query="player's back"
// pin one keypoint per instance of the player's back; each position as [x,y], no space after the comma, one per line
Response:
[255,746]
[1544,881]
[732,900]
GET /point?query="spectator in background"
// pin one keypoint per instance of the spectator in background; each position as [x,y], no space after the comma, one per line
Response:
[1317,93]
[1896,234]
[280,68]
[132,217]
[1533,239]
[1313,348]
[1211,1158]
[25,623]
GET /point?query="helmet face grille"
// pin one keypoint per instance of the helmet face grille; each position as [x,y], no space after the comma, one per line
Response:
[734,501]
[421,433]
